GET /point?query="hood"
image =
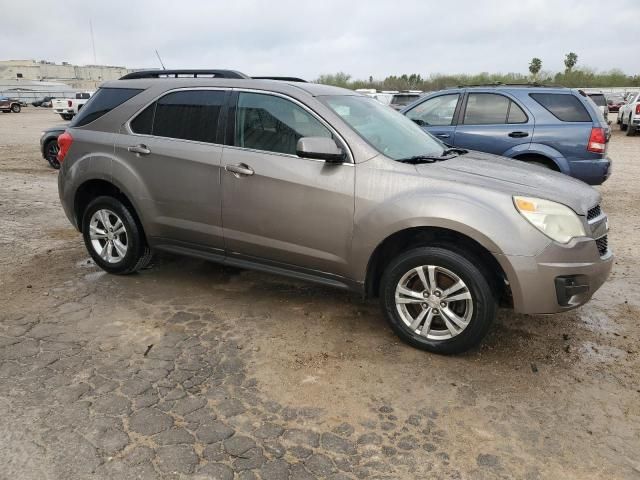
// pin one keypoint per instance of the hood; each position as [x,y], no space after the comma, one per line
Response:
[515,178]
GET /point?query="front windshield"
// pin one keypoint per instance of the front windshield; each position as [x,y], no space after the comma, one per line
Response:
[388,131]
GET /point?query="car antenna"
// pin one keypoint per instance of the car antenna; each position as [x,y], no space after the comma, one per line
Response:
[158,55]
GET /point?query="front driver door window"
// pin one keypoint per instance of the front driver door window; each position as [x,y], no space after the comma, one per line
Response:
[436,115]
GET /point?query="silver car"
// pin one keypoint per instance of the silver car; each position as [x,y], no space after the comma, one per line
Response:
[324,184]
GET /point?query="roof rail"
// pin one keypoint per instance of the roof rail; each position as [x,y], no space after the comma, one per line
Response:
[284,79]
[184,73]
[500,84]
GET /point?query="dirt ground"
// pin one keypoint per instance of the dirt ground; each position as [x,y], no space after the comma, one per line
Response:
[190,369]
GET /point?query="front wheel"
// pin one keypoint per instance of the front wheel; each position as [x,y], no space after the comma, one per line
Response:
[113,237]
[437,300]
[15,108]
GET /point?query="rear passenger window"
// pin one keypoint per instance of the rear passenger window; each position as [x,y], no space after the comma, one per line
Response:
[102,102]
[563,106]
[273,124]
[486,109]
[186,115]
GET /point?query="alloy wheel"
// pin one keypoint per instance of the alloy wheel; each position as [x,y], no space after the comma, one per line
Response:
[108,236]
[434,302]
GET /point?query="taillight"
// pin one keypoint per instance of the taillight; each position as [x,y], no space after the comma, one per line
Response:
[64,142]
[638,109]
[69,103]
[597,140]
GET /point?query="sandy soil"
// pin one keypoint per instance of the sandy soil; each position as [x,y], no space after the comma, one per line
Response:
[543,397]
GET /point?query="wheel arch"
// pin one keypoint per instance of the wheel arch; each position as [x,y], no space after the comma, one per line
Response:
[413,237]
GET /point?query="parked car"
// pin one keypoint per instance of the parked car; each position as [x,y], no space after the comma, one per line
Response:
[68,107]
[8,105]
[42,102]
[558,128]
[629,115]
[49,145]
[323,184]
[601,102]
[397,100]
[614,101]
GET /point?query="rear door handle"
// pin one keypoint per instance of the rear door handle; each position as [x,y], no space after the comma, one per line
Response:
[442,135]
[519,134]
[139,149]
[239,170]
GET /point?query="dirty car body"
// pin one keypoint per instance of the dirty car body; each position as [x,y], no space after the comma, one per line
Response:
[322,184]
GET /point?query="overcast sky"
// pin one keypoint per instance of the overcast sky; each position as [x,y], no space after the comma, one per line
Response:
[305,38]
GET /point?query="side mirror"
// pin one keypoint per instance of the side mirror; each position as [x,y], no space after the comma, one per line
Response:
[321,148]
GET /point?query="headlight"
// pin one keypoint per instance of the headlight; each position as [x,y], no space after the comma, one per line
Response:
[555,220]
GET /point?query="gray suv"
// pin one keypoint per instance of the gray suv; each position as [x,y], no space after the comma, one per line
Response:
[323,184]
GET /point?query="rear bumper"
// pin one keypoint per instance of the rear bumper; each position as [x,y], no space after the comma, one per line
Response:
[560,278]
[592,171]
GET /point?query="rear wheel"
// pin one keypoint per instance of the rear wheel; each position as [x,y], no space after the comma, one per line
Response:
[631,129]
[437,300]
[15,108]
[51,150]
[623,127]
[113,237]
[66,116]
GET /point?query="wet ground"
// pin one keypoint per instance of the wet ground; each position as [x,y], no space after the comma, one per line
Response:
[190,369]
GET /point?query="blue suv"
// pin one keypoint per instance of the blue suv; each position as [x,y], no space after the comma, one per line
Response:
[559,128]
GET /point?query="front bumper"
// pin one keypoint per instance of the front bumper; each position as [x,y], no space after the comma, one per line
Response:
[560,278]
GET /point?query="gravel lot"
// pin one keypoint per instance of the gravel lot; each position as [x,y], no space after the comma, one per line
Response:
[191,369]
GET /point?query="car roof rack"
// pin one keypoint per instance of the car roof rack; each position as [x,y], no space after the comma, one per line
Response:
[188,73]
[500,84]
[284,79]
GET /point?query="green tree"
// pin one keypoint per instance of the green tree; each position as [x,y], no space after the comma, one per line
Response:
[535,66]
[570,61]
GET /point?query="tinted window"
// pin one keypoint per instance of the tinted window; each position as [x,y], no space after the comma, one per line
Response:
[486,109]
[435,111]
[102,102]
[516,114]
[598,99]
[563,106]
[188,115]
[143,123]
[404,99]
[274,124]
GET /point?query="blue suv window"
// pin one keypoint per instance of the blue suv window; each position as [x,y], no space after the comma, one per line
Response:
[492,109]
[563,106]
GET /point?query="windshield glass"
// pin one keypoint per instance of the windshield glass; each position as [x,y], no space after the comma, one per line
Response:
[388,131]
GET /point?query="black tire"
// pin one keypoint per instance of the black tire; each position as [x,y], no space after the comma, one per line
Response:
[15,108]
[66,116]
[631,129]
[51,153]
[138,254]
[623,127]
[469,271]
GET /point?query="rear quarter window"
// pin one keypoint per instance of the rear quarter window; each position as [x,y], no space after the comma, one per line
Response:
[104,100]
[564,106]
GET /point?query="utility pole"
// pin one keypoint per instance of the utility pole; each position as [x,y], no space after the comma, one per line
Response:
[93,43]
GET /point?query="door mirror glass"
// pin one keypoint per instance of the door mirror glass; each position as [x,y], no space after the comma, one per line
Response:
[321,148]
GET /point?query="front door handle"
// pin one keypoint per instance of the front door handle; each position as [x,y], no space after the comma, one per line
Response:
[442,135]
[139,149]
[519,134]
[239,170]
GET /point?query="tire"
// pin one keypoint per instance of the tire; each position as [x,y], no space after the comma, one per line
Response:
[477,312]
[15,108]
[106,211]
[66,116]
[623,127]
[50,153]
[631,129]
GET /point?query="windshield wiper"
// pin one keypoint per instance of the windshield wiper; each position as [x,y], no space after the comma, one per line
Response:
[446,155]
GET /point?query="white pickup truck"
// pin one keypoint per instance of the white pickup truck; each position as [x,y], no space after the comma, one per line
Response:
[629,115]
[68,107]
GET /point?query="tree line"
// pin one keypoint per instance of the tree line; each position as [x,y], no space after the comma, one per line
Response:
[571,77]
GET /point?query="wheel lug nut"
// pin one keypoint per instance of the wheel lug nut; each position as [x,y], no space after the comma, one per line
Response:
[424,305]
[435,310]
[443,304]
[437,294]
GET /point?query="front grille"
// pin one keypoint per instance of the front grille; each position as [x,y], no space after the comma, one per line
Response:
[594,212]
[603,245]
